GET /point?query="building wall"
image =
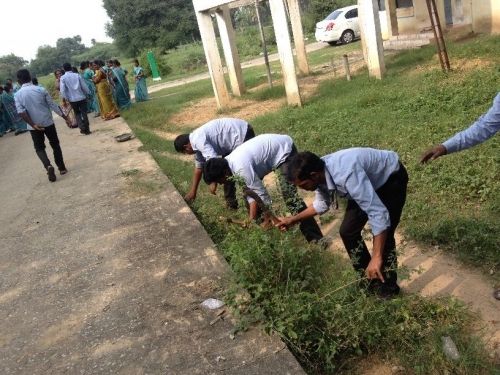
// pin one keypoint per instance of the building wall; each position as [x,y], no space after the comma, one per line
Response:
[484,15]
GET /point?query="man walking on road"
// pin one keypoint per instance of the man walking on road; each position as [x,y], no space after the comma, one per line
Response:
[34,105]
[74,89]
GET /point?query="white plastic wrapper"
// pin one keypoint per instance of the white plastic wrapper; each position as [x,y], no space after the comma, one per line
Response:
[212,304]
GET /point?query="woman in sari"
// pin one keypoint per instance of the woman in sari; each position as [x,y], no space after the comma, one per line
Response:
[9,106]
[141,90]
[104,96]
[65,105]
[121,90]
[87,75]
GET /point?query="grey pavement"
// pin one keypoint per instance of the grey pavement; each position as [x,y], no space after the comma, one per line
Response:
[103,271]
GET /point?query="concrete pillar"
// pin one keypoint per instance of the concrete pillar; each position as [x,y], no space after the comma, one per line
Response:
[231,56]
[391,17]
[298,36]
[213,58]
[371,37]
[285,52]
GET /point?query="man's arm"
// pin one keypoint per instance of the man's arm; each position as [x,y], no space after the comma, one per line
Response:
[484,128]
[50,102]
[26,117]
[62,88]
[197,175]
[320,205]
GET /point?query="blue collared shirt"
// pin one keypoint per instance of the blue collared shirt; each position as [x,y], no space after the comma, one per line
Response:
[484,128]
[37,103]
[258,157]
[73,88]
[357,173]
[218,137]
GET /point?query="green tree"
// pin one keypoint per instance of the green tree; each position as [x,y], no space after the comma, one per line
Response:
[140,24]
[9,65]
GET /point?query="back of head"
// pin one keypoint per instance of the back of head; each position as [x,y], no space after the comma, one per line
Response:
[74,70]
[34,81]
[214,170]
[116,63]
[180,142]
[303,164]
[23,76]
[84,65]
[67,67]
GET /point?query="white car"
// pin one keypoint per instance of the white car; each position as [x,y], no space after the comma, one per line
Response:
[342,26]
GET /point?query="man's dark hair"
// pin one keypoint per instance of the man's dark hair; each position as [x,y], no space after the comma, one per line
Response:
[180,142]
[23,76]
[116,62]
[34,81]
[67,67]
[303,164]
[84,65]
[74,70]
[215,169]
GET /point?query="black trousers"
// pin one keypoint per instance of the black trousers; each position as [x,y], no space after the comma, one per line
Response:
[230,186]
[38,138]
[393,196]
[309,228]
[80,109]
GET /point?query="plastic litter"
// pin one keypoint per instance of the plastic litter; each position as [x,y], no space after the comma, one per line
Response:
[449,348]
[212,304]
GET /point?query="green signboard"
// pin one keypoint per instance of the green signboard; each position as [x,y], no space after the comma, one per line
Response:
[154,66]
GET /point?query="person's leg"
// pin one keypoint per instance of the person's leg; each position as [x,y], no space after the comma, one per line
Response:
[393,196]
[230,195]
[85,118]
[38,138]
[350,232]
[78,116]
[51,133]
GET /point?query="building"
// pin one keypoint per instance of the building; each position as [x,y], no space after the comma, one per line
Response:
[482,16]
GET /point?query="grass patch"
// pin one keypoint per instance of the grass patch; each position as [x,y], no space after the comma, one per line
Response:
[312,299]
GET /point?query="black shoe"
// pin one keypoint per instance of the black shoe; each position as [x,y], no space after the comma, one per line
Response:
[51,173]
[63,170]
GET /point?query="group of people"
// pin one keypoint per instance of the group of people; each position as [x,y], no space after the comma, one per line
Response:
[107,90]
[10,121]
[99,88]
[374,182]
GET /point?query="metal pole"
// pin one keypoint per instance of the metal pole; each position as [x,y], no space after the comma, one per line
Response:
[438,35]
[264,47]
[346,68]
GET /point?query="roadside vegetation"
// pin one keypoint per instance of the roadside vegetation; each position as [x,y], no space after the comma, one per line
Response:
[311,298]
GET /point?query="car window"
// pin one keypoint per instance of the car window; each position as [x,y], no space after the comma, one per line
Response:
[334,15]
[353,13]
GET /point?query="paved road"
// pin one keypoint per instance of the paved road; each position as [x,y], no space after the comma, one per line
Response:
[103,271]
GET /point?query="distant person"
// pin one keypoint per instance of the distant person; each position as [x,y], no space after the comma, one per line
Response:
[121,89]
[374,183]
[65,105]
[74,90]
[483,129]
[6,125]
[87,75]
[9,106]
[35,106]
[480,131]
[216,138]
[141,90]
[15,85]
[3,128]
[104,94]
[251,162]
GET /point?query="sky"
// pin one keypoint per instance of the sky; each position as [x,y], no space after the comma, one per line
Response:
[32,23]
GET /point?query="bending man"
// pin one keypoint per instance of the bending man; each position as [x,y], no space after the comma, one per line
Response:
[216,138]
[252,161]
[374,182]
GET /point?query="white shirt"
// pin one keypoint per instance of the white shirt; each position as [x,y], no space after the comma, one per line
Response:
[256,158]
[218,137]
[73,88]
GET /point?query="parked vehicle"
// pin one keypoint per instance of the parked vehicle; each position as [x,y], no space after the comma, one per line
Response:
[342,25]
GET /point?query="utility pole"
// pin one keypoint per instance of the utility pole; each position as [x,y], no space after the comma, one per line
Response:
[264,47]
[438,35]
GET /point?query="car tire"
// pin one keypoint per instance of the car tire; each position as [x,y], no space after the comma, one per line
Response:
[347,37]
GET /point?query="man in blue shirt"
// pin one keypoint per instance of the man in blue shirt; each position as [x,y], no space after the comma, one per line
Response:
[374,183]
[216,138]
[35,106]
[74,89]
[252,161]
[484,128]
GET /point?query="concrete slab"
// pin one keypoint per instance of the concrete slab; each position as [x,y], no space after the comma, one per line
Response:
[103,271]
